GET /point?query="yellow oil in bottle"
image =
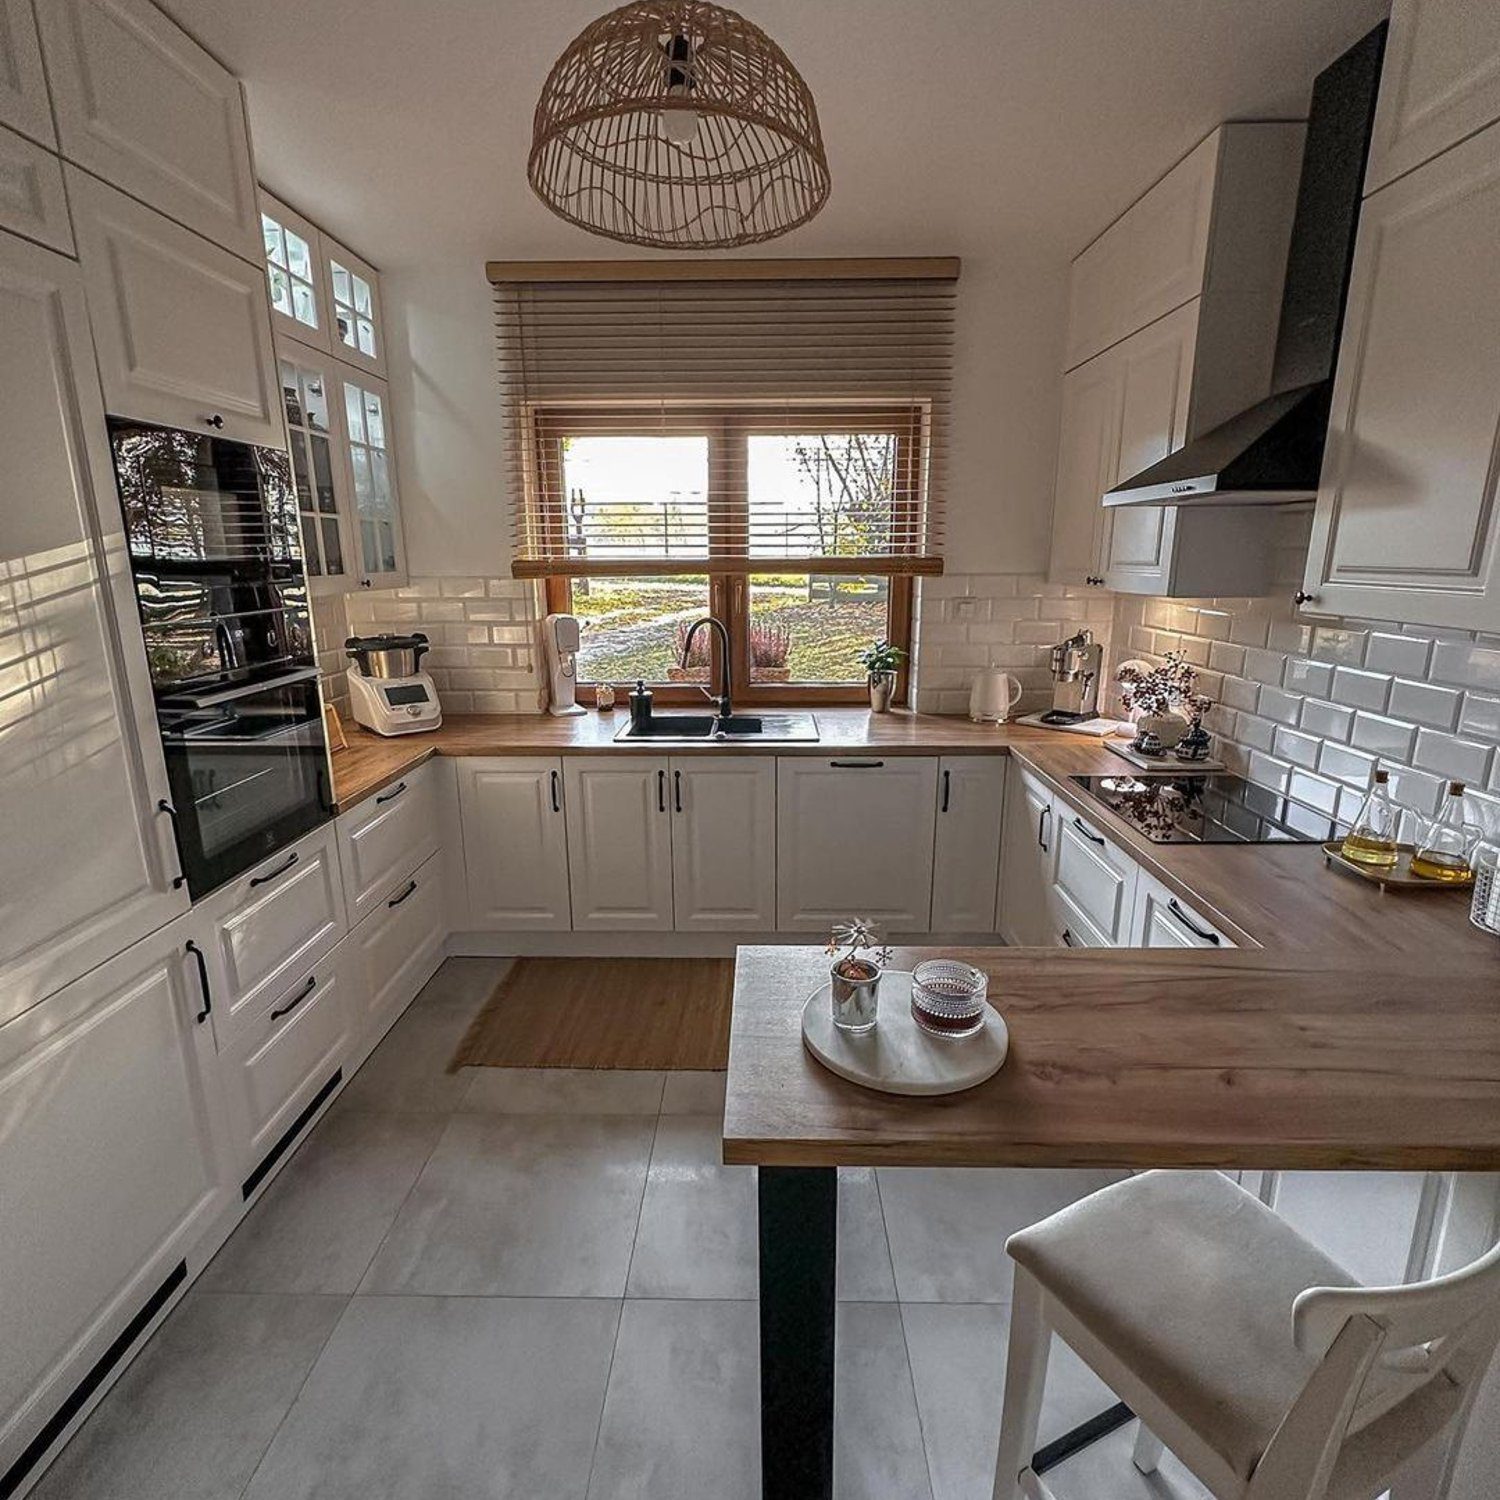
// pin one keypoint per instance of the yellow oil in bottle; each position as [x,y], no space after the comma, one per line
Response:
[1365,848]
[1432,866]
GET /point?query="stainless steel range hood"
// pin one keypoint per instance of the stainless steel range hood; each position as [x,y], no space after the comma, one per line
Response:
[1272,454]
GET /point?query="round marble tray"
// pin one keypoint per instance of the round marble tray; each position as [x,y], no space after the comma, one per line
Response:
[897,1056]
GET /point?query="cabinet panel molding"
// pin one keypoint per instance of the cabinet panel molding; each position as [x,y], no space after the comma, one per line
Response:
[24,104]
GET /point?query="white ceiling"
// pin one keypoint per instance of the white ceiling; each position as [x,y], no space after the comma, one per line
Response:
[952,125]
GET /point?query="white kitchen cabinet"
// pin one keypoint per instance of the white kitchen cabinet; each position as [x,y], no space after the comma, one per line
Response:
[619,843]
[1164,920]
[294,273]
[311,395]
[515,843]
[1439,83]
[1093,885]
[380,560]
[387,836]
[1088,449]
[1406,525]
[356,326]
[32,200]
[966,850]
[24,104]
[112,1167]
[1028,848]
[181,326]
[140,104]
[83,775]
[723,843]
[854,838]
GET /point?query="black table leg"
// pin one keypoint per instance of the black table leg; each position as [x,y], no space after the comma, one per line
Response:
[799,1217]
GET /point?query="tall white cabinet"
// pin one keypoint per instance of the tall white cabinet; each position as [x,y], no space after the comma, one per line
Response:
[83,776]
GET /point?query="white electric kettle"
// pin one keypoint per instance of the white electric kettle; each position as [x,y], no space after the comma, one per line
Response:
[993,696]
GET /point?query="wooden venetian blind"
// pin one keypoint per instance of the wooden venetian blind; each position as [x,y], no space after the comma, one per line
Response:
[726,416]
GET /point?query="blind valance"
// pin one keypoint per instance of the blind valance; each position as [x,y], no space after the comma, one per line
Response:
[728,423]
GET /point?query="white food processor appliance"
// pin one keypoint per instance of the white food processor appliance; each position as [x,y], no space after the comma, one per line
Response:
[560,637]
[387,687]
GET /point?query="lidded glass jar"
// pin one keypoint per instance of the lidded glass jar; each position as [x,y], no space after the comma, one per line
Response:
[1371,839]
[1447,846]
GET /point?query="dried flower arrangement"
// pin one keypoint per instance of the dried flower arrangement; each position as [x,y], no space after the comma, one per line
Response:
[847,940]
[1167,688]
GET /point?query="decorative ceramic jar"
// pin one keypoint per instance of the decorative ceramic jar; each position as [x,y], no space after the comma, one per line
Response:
[882,690]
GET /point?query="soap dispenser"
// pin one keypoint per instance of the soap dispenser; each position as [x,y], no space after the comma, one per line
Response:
[640,708]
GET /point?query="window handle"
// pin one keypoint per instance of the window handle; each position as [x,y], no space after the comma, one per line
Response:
[275,874]
[391,795]
[1087,832]
[208,999]
[291,1005]
[1192,926]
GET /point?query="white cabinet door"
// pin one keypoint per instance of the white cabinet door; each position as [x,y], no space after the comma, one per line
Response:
[82,773]
[619,843]
[1093,885]
[966,854]
[1440,82]
[854,839]
[386,837]
[182,327]
[294,273]
[380,556]
[1407,519]
[32,200]
[1163,920]
[1028,847]
[313,402]
[112,1167]
[1087,453]
[1155,384]
[356,329]
[24,105]
[515,843]
[142,105]
[724,843]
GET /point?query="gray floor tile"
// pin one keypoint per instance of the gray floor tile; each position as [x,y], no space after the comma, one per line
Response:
[562,1091]
[682,1416]
[322,1219]
[948,1226]
[192,1416]
[462,984]
[447,1399]
[877,1442]
[864,1271]
[1103,1471]
[408,1071]
[694,1093]
[524,1206]
[697,1233]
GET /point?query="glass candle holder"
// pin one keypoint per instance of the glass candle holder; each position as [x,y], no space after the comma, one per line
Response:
[948,997]
[855,987]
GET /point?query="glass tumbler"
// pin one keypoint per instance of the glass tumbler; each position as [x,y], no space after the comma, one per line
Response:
[948,997]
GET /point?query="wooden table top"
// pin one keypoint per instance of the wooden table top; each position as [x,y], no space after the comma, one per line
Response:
[1151,1058]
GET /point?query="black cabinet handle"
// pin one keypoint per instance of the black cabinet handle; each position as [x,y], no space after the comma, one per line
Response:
[391,795]
[947,777]
[179,879]
[302,994]
[411,885]
[1067,938]
[215,421]
[1303,597]
[677,790]
[661,791]
[856,765]
[556,796]
[208,999]
[1087,832]
[1192,926]
[275,874]
[1041,823]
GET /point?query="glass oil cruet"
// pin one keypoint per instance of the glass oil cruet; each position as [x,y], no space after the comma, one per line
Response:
[1446,850]
[1371,839]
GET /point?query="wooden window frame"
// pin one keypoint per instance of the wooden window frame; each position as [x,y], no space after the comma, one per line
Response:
[728,429]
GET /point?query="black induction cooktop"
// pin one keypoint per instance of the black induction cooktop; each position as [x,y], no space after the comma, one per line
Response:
[1213,807]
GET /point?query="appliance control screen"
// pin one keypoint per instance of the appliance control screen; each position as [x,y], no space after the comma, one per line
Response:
[397,697]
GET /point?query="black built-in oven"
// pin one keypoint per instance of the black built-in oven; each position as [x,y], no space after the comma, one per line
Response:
[213,533]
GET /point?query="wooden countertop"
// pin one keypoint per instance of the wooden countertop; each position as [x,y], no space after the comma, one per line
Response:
[1151,1058]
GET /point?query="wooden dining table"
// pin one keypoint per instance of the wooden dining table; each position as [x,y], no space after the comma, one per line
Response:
[1248,1059]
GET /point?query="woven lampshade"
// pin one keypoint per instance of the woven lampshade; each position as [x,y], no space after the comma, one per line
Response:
[677,124]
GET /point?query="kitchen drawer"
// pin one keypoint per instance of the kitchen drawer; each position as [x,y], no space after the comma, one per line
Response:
[1163,920]
[272,924]
[393,952]
[386,837]
[1093,881]
[282,1060]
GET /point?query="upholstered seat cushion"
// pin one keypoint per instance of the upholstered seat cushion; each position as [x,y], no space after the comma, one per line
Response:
[1189,1281]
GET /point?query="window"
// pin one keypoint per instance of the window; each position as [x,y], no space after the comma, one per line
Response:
[304,391]
[291,265]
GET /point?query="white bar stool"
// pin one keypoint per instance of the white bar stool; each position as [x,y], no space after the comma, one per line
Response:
[1256,1359]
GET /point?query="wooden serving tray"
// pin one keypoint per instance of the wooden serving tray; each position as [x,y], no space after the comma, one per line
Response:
[1397,878]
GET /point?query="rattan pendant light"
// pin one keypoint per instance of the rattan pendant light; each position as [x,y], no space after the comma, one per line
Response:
[678,124]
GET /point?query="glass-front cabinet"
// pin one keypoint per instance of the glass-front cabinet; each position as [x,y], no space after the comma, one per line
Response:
[381,560]
[308,389]
[356,327]
[294,256]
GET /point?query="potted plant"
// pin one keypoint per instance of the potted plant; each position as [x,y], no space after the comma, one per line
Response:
[696,667]
[881,662]
[854,976]
[770,646]
[1156,697]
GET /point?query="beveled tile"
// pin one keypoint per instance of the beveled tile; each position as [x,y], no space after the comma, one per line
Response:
[864,1267]
[322,1219]
[682,1414]
[693,1093]
[192,1416]
[525,1206]
[877,1437]
[697,1235]
[483,1398]
[408,1071]
[562,1091]
[947,1226]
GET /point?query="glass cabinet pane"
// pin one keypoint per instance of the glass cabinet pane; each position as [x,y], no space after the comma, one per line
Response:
[354,317]
[291,266]
[374,482]
[305,393]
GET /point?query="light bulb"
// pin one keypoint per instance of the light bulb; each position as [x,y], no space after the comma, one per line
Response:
[680,126]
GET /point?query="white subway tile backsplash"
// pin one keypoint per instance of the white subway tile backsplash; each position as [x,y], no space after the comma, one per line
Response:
[1268,772]
[1301,749]
[1467,664]
[1390,739]
[1264,666]
[1239,693]
[1480,717]
[1285,708]
[1416,789]
[1311,677]
[1360,689]
[1400,655]
[1345,765]
[1258,733]
[1458,760]
[1223,657]
[1326,720]
[1314,791]
[1437,707]
[1337,644]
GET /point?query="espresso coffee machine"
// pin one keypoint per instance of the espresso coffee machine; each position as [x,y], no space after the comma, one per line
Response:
[1077,664]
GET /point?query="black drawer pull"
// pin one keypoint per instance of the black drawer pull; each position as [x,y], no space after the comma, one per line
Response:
[556,796]
[215,421]
[661,791]
[677,789]
[947,779]
[302,994]
[208,999]
[411,885]
[1041,823]
[856,765]
[1192,926]
[275,874]
[391,795]
[179,879]
[1087,832]
[1067,938]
